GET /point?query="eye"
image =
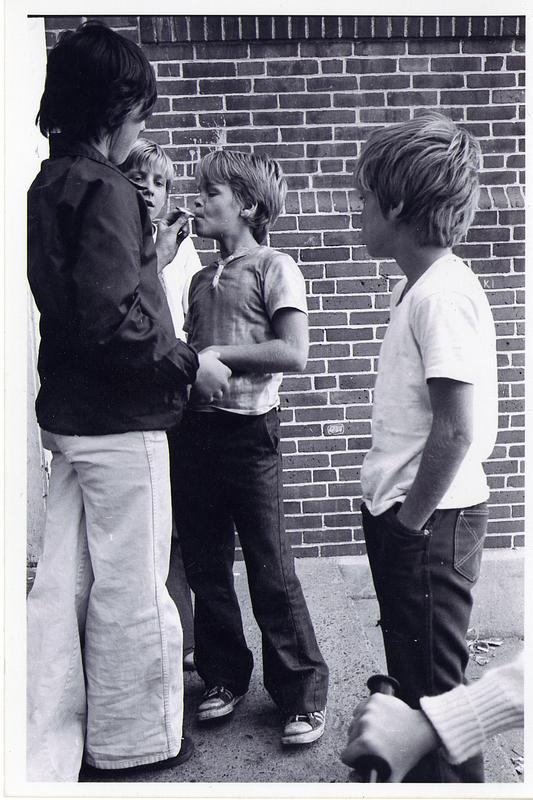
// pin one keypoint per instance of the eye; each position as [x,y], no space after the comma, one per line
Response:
[159,183]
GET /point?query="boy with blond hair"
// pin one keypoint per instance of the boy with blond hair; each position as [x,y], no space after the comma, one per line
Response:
[151,170]
[249,308]
[435,411]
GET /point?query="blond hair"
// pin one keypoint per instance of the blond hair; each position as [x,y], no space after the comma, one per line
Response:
[150,155]
[430,165]
[257,181]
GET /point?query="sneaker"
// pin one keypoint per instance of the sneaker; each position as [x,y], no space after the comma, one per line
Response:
[304,728]
[217,702]
[90,774]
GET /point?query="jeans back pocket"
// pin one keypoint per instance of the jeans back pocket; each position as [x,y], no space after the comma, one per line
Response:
[469,536]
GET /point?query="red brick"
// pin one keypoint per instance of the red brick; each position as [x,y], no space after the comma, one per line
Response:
[339,83]
[440,81]
[197,103]
[303,101]
[210,69]
[431,47]
[228,51]
[412,98]
[250,68]
[371,66]
[491,112]
[490,81]
[382,82]
[267,50]
[466,97]
[298,67]
[352,549]
[225,86]
[382,115]
[177,87]
[379,48]
[332,49]
[279,85]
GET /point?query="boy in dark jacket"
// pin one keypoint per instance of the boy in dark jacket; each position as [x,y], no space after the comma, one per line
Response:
[104,639]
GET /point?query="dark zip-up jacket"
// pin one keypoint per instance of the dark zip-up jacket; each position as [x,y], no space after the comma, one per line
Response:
[108,359]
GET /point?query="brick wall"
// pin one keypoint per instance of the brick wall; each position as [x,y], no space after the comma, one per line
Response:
[308,91]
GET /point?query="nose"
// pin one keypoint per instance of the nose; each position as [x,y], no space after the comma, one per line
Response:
[198,201]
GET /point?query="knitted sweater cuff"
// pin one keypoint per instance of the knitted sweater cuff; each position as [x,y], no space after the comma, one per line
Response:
[467,715]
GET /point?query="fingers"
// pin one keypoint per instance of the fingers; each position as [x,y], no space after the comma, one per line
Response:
[177,215]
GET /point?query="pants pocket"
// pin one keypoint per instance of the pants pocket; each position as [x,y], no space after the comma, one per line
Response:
[390,518]
[469,535]
[272,430]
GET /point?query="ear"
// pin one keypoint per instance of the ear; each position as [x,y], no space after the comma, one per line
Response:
[395,212]
[249,211]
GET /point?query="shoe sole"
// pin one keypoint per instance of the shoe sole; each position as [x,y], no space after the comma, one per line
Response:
[216,713]
[90,774]
[302,738]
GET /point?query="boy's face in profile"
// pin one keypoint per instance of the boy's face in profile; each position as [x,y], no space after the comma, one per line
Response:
[154,188]
[377,231]
[217,212]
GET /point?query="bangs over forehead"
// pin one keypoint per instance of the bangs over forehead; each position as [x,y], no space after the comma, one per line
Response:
[150,157]
[152,162]
[215,170]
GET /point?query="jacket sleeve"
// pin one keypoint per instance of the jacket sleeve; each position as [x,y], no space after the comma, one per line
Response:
[121,316]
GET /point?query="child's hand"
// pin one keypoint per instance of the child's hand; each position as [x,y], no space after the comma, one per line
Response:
[171,231]
[211,379]
[385,726]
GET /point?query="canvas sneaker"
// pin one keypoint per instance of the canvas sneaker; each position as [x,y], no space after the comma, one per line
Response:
[217,702]
[304,728]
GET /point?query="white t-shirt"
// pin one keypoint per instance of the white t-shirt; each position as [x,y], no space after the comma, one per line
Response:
[442,328]
[176,279]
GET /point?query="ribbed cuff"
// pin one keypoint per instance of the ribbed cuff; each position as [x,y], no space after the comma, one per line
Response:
[468,715]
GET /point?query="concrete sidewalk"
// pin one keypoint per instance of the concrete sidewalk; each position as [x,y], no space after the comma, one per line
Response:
[246,748]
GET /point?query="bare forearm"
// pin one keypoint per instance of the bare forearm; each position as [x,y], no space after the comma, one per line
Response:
[273,356]
[442,457]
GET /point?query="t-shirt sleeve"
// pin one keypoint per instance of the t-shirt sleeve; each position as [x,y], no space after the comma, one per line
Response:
[445,326]
[284,285]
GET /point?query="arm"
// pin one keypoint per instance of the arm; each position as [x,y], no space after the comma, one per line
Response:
[387,727]
[459,720]
[448,441]
[172,230]
[120,318]
[286,353]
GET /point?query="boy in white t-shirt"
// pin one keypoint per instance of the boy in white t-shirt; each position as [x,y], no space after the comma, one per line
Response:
[434,415]
[152,172]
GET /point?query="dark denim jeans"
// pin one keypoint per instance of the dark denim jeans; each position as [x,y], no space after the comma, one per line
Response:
[226,474]
[180,591]
[423,581]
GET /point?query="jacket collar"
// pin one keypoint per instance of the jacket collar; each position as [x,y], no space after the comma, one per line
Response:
[60,145]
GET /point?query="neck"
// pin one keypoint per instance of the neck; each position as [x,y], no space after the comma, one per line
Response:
[233,243]
[414,259]
[102,146]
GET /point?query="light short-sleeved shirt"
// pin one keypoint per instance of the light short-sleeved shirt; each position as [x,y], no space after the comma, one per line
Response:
[234,304]
[176,279]
[442,328]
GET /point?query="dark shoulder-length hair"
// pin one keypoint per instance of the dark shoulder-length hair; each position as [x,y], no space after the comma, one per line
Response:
[94,78]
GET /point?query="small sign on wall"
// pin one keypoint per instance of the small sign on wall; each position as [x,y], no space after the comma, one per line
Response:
[334,429]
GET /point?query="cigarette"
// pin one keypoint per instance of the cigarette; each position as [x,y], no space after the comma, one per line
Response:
[185,211]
